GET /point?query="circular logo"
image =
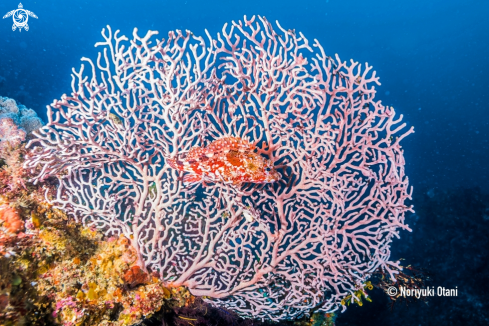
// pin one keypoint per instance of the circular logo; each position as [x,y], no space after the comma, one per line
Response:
[20,17]
[392,291]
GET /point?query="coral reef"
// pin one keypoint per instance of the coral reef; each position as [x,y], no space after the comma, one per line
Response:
[23,117]
[274,250]
[16,125]
[61,273]
[10,133]
[100,289]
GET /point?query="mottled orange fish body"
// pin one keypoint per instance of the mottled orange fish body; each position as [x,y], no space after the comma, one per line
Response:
[229,160]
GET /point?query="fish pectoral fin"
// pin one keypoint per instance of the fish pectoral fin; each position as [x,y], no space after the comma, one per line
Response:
[192,178]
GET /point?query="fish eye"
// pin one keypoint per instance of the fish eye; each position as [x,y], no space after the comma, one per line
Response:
[268,169]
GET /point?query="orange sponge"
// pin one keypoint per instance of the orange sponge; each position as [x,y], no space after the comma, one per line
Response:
[11,219]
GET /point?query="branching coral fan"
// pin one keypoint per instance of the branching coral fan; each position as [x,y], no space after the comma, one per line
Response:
[273,250]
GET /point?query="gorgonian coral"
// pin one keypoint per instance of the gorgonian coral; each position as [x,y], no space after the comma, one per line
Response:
[271,250]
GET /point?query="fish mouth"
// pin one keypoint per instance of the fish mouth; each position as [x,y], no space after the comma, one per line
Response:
[277,176]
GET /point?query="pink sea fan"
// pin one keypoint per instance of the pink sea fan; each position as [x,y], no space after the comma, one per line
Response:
[315,235]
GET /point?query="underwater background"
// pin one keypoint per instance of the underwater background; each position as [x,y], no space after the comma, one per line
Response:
[432,58]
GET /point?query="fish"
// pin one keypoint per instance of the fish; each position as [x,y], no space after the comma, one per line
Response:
[115,119]
[227,159]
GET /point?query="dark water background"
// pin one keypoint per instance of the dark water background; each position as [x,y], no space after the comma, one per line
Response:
[433,61]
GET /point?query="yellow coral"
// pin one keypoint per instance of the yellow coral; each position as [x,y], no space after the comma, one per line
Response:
[67,255]
[36,219]
[80,296]
[358,294]
[52,238]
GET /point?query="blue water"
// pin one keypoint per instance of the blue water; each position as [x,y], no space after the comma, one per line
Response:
[432,58]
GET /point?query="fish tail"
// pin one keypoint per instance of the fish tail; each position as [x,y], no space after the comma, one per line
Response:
[192,178]
[173,164]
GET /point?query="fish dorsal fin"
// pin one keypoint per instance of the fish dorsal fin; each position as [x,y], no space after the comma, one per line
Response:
[228,143]
[193,153]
